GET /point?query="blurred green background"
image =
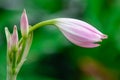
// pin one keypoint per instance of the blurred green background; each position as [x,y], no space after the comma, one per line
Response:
[52,56]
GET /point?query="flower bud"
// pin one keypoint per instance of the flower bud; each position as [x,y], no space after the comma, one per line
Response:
[24,25]
[14,38]
[8,36]
[80,32]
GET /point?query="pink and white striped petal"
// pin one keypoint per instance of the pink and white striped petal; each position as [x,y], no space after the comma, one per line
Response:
[80,32]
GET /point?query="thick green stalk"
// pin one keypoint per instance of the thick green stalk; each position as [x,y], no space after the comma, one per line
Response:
[11,67]
[11,75]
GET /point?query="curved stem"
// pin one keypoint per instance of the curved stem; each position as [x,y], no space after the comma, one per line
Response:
[43,23]
[38,25]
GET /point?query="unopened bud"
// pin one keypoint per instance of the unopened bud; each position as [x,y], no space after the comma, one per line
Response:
[14,38]
[24,24]
[8,37]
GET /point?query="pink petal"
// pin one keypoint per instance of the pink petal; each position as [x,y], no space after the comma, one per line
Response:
[80,32]
[83,44]
[80,23]
[14,37]
[24,24]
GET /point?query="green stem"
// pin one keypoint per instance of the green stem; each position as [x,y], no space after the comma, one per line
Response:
[11,74]
[14,59]
[12,77]
[43,23]
[21,54]
[38,25]
[11,67]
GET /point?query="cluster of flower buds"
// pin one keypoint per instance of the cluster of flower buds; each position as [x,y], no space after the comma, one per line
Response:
[17,49]
[12,39]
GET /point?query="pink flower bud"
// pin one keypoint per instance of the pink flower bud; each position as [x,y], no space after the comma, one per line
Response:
[79,32]
[8,36]
[14,37]
[24,24]
[12,40]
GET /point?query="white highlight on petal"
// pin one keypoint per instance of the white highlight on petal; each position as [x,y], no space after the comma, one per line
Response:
[8,37]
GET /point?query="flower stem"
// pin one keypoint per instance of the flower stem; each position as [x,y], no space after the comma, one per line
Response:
[43,23]
[11,77]
[11,74]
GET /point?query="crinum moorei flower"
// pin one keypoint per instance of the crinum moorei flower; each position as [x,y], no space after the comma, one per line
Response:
[80,32]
